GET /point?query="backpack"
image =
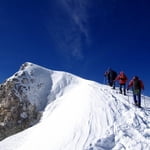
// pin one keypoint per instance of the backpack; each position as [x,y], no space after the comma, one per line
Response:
[136,84]
[113,74]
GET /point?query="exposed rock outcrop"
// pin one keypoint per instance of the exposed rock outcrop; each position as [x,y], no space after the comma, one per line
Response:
[16,111]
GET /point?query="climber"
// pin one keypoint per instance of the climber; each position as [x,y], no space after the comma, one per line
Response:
[110,75]
[122,78]
[136,85]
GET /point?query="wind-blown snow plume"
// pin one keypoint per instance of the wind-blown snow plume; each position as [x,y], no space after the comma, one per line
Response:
[77,10]
[71,32]
[82,115]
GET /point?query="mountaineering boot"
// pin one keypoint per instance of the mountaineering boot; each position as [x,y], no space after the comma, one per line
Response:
[138,105]
[124,91]
[120,91]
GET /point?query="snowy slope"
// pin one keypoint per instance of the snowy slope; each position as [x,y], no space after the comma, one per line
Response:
[79,114]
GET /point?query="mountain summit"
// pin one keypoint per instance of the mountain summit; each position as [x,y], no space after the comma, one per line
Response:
[71,113]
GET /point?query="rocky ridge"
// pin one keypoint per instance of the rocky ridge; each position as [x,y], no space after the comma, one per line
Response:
[16,111]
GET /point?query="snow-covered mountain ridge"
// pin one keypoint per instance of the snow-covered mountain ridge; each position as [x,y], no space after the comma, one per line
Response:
[78,114]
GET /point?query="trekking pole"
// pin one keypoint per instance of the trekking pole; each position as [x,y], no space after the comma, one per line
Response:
[104,80]
[128,96]
[144,101]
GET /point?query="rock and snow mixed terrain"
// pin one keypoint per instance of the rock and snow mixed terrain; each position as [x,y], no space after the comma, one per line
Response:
[78,114]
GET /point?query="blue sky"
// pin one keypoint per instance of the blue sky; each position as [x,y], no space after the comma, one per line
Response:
[83,37]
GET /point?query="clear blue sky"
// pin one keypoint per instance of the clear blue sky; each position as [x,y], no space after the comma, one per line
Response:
[83,37]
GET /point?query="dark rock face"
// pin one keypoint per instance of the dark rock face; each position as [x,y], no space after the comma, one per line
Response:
[16,111]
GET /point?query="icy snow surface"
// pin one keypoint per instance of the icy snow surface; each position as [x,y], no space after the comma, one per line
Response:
[79,114]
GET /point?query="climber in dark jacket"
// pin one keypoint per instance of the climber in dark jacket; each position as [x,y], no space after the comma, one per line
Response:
[111,75]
